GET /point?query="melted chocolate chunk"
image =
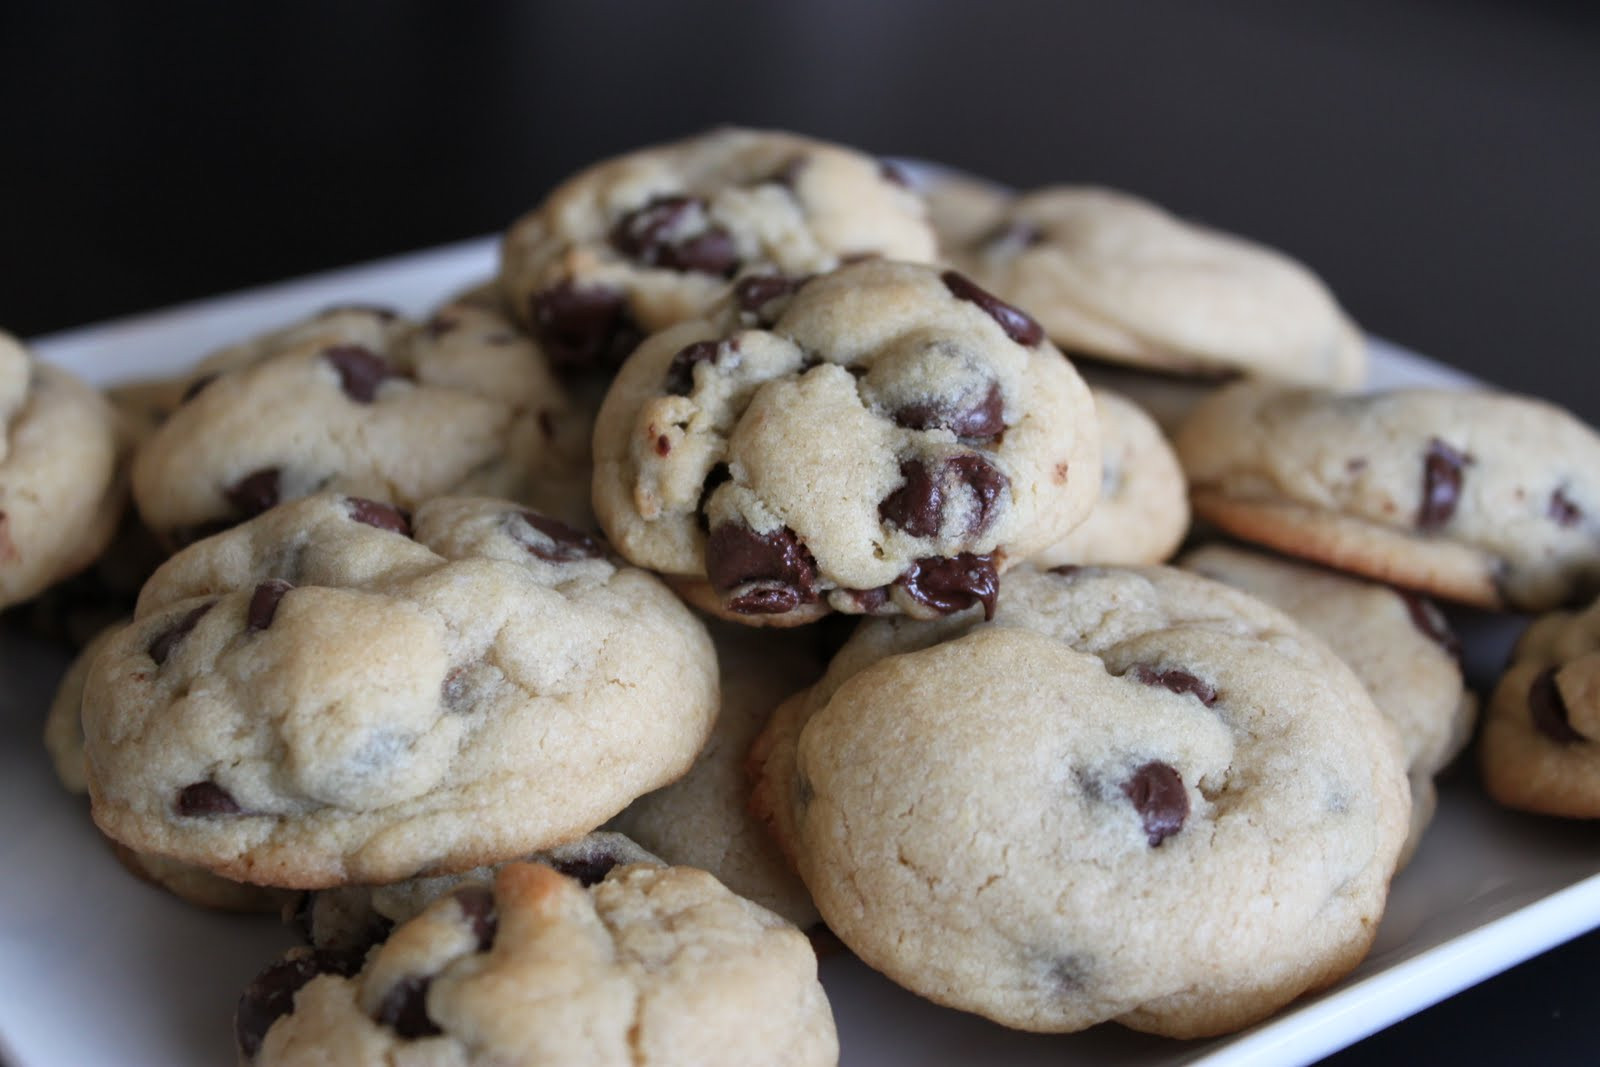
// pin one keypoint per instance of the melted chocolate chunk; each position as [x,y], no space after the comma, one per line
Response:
[1441,484]
[985,483]
[1017,324]
[1426,617]
[868,601]
[754,293]
[717,475]
[917,505]
[477,908]
[361,371]
[264,603]
[1157,792]
[168,639]
[1179,681]
[767,574]
[951,585]
[195,388]
[680,372]
[372,513]
[1548,709]
[205,798]
[566,545]
[978,420]
[646,236]
[405,1008]
[1562,511]
[583,328]
[588,870]
[270,996]
[256,492]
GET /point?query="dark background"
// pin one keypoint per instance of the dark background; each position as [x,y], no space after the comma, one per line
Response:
[1437,163]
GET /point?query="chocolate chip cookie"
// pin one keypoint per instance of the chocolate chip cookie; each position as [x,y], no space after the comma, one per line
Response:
[1399,644]
[1134,794]
[656,237]
[336,692]
[650,965]
[1113,276]
[362,401]
[886,439]
[1481,497]
[1143,510]
[1540,748]
[60,496]
[703,819]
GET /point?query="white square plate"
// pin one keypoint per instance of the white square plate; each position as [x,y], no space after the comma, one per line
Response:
[98,968]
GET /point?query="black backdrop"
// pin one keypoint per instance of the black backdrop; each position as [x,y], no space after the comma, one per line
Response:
[1438,163]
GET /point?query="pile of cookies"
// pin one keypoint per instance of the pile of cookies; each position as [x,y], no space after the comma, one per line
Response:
[775,547]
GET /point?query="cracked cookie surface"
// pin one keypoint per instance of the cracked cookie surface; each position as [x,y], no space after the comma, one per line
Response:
[651,965]
[886,439]
[362,401]
[1540,746]
[60,494]
[970,802]
[657,236]
[1485,498]
[337,692]
[1113,276]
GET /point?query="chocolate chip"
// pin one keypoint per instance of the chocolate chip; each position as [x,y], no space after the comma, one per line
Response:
[205,798]
[680,372]
[894,174]
[951,585]
[978,420]
[917,505]
[477,907]
[754,293]
[361,371]
[1441,484]
[1157,792]
[868,601]
[590,869]
[1548,709]
[264,603]
[256,492]
[1427,617]
[1562,510]
[195,388]
[560,544]
[384,517]
[405,1008]
[1179,681]
[768,574]
[583,328]
[1018,325]
[270,996]
[168,639]
[646,235]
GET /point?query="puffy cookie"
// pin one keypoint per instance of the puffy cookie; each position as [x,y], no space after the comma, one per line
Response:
[1143,510]
[63,737]
[655,237]
[651,965]
[330,694]
[1110,275]
[1481,497]
[1399,645]
[887,439]
[349,920]
[1135,795]
[59,492]
[703,819]
[362,401]
[1540,746]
